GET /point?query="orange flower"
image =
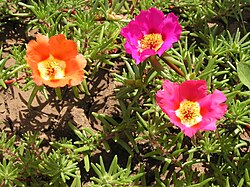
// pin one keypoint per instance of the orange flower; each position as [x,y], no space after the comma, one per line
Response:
[55,61]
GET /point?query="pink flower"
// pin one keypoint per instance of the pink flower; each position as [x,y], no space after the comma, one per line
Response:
[151,33]
[190,107]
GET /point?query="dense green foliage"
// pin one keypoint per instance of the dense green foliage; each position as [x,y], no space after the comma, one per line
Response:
[214,46]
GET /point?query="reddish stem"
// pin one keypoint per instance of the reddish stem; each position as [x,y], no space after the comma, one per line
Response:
[133,7]
[11,81]
[173,66]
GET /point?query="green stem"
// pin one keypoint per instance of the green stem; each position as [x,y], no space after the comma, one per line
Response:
[75,91]
[58,93]
[33,94]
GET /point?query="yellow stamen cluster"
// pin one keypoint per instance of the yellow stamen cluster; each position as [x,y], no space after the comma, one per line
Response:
[52,69]
[189,113]
[151,41]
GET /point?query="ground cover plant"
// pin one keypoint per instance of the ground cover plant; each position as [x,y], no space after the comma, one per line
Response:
[106,93]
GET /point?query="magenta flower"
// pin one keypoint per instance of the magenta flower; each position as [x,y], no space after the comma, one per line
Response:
[151,33]
[190,107]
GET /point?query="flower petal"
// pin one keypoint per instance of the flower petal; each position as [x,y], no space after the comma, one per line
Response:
[189,131]
[212,105]
[56,83]
[37,78]
[171,29]
[133,32]
[76,79]
[37,51]
[131,49]
[146,53]
[168,98]
[53,50]
[75,64]
[171,32]
[208,124]
[61,48]
[74,70]
[150,19]
[193,90]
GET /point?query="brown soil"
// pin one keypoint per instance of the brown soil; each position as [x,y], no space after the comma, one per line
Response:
[51,116]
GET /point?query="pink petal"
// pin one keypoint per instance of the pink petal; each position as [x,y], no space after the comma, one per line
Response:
[208,124]
[193,90]
[189,131]
[142,20]
[133,32]
[146,53]
[212,105]
[171,31]
[150,20]
[168,98]
[165,46]
[131,49]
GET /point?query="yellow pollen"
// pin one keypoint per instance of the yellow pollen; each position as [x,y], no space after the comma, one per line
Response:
[151,41]
[189,113]
[52,69]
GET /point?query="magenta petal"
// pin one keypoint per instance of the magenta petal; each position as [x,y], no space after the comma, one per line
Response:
[133,32]
[162,101]
[151,21]
[156,19]
[193,90]
[171,29]
[142,20]
[132,50]
[146,53]
[172,91]
[165,46]
[212,105]
[165,99]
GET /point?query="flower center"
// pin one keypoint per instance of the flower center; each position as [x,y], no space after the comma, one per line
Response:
[151,41]
[52,69]
[189,113]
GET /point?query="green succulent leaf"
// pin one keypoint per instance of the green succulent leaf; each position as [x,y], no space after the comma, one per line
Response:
[243,70]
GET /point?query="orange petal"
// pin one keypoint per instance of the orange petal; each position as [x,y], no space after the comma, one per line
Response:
[74,70]
[37,50]
[81,60]
[56,83]
[75,64]
[37,79]
[61,48]
[77,78]
[41,38]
